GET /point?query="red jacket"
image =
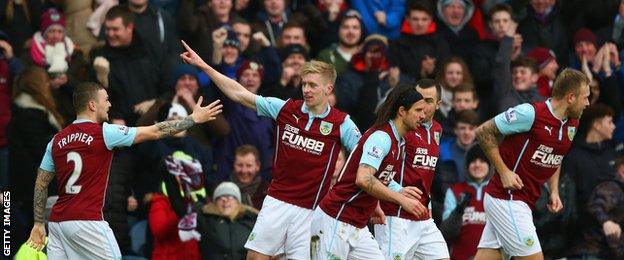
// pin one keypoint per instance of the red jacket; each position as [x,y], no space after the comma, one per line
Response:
[163,223]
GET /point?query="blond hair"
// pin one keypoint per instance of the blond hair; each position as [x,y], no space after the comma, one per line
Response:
[569,80]
[326,70]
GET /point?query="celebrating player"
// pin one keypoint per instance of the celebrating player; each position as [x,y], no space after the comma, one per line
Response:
[536,138]
[80,156]
[309,136]
[339,224]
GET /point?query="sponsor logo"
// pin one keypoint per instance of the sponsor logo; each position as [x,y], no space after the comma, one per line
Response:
[471,216]
[292,138]
[326,127]
[510,115]
[296,118]
[571,132]
[422,159]
[418,135]
[549,129]
[544,157]
[387,174]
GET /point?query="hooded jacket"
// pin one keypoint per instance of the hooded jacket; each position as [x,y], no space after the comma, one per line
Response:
[224,237]
[463,38]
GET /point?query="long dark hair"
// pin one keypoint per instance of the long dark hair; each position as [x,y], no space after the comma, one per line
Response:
[404,95]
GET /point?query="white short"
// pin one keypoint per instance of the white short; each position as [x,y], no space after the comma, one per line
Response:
[334,239]
[281,228]
[509,226]
[407,239]
[82,239]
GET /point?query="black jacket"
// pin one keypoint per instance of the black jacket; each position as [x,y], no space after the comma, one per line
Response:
[409,50]
[224,237]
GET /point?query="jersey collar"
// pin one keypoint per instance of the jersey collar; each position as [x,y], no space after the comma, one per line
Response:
[552,112]
[304,109]
[395,132]
[78,121]
[427,125]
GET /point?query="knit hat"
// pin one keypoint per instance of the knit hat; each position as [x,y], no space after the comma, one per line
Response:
[184,69]
[542,56]
[291,49]
[448,2]
[475,152]
[375,39]
[51,17]
[250,65]
[584,35]
[227,188]
[232,40]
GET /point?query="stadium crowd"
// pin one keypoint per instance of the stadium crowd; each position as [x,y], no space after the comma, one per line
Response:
[488,56]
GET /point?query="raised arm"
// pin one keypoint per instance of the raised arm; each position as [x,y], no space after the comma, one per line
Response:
[231,88]
[168,128]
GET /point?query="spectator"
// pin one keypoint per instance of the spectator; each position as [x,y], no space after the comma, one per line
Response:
[514,82]
[464,215]
[350,34]
[272,19]
[242,28]
[381,17]
[51,49]
[613,32]
[10,66]
[543,26]
[483,59]
[293,57]
[225,224]
[196,23]
[590,161]
[77,13]
[156,27]
[419,48]
[606,90]
[248,127]
[20,19]
[454,16]
[604,239]
[120,185]
[246,176]
[368,79]
[134,74]
[34,121]
[547,69]
[333,13]
[585,47]
[226,56]
[452,73]
[464,98]
[453,151]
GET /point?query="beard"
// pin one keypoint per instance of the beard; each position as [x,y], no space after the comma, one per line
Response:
[348,45]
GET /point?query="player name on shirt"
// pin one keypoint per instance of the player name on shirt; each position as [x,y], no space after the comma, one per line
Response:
[75,137]
[292,138]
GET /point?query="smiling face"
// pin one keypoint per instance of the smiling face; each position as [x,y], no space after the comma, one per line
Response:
[101,105]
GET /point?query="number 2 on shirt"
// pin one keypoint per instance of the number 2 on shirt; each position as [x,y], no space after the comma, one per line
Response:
[70,188]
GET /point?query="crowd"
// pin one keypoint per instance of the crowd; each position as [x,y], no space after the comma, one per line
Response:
[488,56]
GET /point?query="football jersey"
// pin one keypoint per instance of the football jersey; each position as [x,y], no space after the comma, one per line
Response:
[534,146]
[422,148]
[306,149]
[80,155]
[381,148]
[473,222]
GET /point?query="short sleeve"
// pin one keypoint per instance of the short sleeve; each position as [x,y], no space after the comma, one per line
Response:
[269,106]
[349,134]
[375,149]
[47,163]
[515,120]
[118,135]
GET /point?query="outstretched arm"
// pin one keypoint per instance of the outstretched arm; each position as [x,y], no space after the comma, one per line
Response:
[168,128]
[231,88]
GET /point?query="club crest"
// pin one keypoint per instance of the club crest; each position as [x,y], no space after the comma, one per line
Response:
[571,132]
[326,127]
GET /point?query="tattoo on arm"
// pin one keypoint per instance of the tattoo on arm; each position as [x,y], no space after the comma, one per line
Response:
[41,193]
[370,179]
[488,135]
[171,127]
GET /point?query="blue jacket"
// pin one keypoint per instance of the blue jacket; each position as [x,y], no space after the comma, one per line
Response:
[394,9]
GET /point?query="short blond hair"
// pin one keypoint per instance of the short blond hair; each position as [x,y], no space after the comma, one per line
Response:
[326,70]
[569,80]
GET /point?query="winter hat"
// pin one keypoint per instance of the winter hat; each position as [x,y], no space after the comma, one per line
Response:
[184,69]
[291,49]
[375,39]
[542,56]
[250,65]
[475,152]
[51,17]
[227,188]
[448,2]
[584,35]
[232,40]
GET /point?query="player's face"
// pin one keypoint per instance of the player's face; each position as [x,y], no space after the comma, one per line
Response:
[246,168]
[478,169]
[465,134]
[578,102]
[415,115]
[432,103]
[102,105]
[316,90]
